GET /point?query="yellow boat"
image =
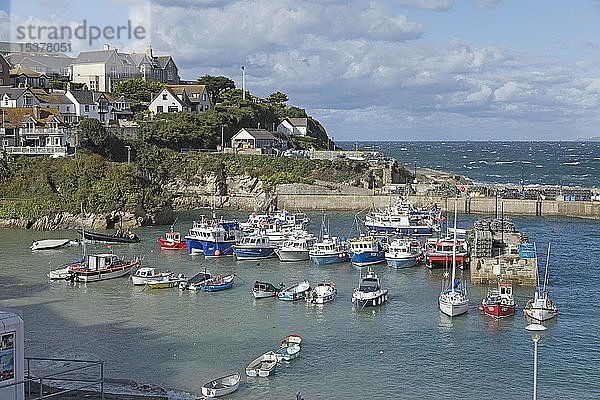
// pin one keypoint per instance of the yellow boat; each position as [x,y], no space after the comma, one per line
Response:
[165,282]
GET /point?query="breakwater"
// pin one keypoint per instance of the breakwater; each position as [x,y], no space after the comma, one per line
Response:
[466,205]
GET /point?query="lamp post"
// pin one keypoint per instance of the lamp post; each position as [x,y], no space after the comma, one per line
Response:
[536,331]
[128,154]
[222,139]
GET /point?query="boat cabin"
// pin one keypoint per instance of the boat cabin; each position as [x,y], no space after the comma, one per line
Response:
[369,284]
[145,272]
[173,236]
[97,262]
[364,245]
[257,241]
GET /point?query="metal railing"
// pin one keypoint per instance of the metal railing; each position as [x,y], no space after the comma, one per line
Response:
[58,150]
[65,375]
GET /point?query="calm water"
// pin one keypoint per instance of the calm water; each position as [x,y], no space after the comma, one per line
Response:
[403,350]
[542,163]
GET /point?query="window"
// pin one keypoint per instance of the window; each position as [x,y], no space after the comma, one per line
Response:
[92,85]
[28,101]
[203,96]
[1,79]
[173,109]
[170,74]
[113,71]
[165,96]
[29,126]
[87,108]
[67,108]
[159,109]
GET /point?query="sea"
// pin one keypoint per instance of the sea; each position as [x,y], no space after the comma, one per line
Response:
[171,341]
[574,163]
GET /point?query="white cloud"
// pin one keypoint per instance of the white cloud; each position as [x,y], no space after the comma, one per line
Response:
[436,5]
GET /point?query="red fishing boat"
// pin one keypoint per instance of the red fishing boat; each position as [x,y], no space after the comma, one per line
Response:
[172,241]
[499,302]
[438,253]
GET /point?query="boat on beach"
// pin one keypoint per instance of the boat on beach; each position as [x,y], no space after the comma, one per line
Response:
[369,292]
[99,267]
[296,292]
[262,366]
[263,290]
[541,308]
[499,302]
[322,293]
[403,253]
[49,244]
[221,386]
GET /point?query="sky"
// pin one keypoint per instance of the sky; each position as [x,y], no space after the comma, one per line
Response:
[379,69]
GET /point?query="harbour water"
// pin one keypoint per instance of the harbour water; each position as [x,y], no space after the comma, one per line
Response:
[404,349]
[540,163]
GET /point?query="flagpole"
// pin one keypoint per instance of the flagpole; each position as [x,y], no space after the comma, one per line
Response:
[243,82]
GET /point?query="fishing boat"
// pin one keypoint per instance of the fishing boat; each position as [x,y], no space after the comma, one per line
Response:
[217,283]
[366,250]
[172,241]
[440,253]
[262,290]
[453,299]
[120,236]
[213,238]
[49,244]
[221,386]
[254,247]
[64,272]
[329,251]
[292,338]
[403,253]
[99,267]
[142,275]
[165,281]
[196,281]
[541,307]
[296,292]
[262,366]
[322,293]
[287,353]
[404,218]
[499,303]
[295,249]
[369,292]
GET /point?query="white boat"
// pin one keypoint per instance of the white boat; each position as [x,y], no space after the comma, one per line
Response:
[369,292]
[221,386]
[292,338]
[403,253]
[541,307]
[322,293]
[262,366]
[453,299]
[99,267]
[49,244]
[295,249]
[166,281]
[287,353]
[141,276]
[297,292]
[263,290]
[65,271]
[404,218]
[254,247]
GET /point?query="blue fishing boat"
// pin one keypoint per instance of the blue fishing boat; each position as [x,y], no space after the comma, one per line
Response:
[215,237]
[366,250]
[254,247]
[403,253]
[217,283]
[328,251]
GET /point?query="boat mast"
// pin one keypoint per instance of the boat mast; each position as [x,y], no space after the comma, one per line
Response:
[454,249]
[546,272]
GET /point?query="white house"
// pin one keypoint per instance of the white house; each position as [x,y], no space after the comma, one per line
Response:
[57,100]
[176,98]
[293,126]
[89,104]
[252,138]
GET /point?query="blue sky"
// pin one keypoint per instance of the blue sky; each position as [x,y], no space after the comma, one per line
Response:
[380,69]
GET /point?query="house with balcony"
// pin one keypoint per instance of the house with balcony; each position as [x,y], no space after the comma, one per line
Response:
[99,70]
[4,71]
[25,77]
[32,131]
[256,141]
[57,99]
[89,104]
[43,63]
[177,98]
[120,108]
[293,126]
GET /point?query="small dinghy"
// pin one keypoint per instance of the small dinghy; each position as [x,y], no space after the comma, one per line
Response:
[221,386]
[291,339]
[49,244]
[217,283]
[262,290]
[322,293]
[262,366]
[195,281]
[297,292]
[287,353]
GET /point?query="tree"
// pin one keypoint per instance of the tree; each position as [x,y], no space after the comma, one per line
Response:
[94,131]
[138,91]
[277,98]
[215,85]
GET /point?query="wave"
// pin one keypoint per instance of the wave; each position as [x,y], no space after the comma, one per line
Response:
[539,166]
[504,162]
[571,163]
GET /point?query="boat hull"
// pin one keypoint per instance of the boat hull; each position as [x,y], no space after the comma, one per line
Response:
[453,309]
[370,301]
[293,255]
[324,259]
[103,274]
[254,253]
[101,237]
[221,386]
[401,262]
[367,258]
[404,230]
[194,246]
[217,249]
[498,310]
[540,314]
[166,244]
[49,244]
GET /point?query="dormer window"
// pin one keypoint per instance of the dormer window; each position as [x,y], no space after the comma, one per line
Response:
[30,126]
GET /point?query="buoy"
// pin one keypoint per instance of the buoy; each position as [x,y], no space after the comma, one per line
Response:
[217,252]
[380,351]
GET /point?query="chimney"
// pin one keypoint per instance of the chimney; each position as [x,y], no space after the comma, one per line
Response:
[68,86]
[259,125]
[36,111]
[149,51]
[106,46]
